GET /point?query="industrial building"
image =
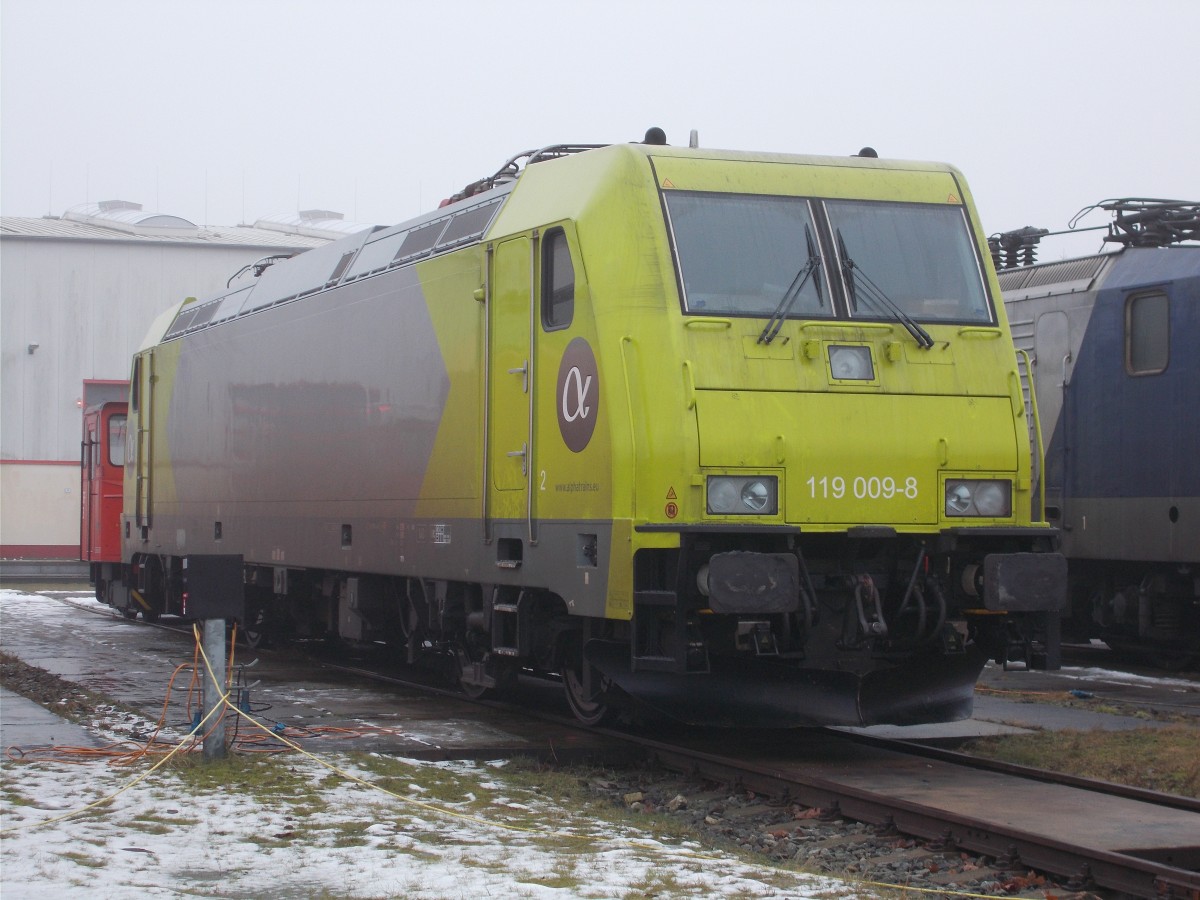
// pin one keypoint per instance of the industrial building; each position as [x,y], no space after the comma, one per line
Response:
[77,294]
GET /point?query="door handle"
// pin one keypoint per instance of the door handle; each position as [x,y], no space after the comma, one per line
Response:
[524,455]
[523,371]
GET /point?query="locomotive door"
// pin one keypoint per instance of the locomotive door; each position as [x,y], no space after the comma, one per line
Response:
[88,506]
[510,376]
[103,465]
[1052,349]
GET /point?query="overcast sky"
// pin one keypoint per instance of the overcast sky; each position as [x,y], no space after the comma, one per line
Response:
[224,111]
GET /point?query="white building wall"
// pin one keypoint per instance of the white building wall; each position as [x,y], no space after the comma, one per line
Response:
[87,304]
[39,510]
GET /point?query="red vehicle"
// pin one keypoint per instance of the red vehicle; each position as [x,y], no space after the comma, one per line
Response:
[103,470]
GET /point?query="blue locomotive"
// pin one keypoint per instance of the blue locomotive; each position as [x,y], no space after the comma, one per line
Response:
[1112,342]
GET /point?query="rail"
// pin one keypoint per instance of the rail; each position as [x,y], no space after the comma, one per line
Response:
[1162,873]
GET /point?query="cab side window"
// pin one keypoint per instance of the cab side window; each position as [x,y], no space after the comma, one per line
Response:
[135,385]
[116,440]
[558,281]
[1147,333]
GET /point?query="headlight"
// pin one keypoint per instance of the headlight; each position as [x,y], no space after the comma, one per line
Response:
[990,499]
[756,496]
[743,495]
[851,363]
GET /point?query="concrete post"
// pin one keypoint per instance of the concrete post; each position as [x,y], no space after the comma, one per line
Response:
[213,688]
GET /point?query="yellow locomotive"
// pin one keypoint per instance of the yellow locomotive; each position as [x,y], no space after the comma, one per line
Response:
[739,437]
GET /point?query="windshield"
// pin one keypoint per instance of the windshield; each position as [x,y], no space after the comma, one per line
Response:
[921,256]
[739,254]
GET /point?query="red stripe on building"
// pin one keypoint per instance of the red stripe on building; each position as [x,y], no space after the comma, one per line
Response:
[39,551]
[40,462]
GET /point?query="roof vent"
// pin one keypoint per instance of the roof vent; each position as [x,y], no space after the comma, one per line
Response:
[126,216]
[320,223]
[110,205]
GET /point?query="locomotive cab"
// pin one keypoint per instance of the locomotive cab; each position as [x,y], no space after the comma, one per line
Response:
[102,462]
[827,442]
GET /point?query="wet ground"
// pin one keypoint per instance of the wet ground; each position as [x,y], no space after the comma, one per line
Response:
[137,665]
[69,635]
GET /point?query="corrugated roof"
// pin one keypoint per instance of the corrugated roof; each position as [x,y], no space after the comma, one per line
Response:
[224,235]
[1065,276]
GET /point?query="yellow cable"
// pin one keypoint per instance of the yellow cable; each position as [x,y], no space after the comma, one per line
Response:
[940,891]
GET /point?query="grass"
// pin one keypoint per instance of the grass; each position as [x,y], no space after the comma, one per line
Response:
[559,800]
[263,777]
[562,878]
[654,884]
[1158,759]
[82,859]
[155,823]
[425,783]
[14,798]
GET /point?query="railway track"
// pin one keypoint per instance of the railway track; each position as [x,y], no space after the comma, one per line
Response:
[1091,834]
[1086,835]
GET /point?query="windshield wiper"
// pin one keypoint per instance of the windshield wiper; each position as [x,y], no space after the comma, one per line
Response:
[877,298]
[789,296]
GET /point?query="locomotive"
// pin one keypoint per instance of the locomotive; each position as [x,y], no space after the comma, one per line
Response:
[735,437]
[1110,340]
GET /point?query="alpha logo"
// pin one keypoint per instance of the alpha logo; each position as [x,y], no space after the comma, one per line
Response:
[581,409]
[577,395]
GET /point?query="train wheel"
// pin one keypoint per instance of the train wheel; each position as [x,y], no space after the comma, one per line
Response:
[255,632]
[474,691]
[470,688]
[503,673]
[590,708]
